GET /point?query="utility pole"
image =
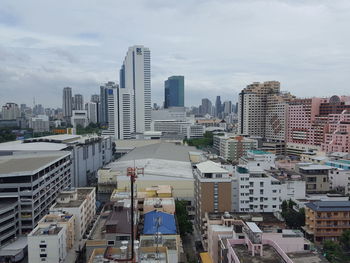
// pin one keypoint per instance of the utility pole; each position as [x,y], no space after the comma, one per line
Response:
[132,173]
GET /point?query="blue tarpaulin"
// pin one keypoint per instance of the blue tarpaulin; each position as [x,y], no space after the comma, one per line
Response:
[161,222]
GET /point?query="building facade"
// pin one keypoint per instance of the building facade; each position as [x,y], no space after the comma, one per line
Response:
[326,220]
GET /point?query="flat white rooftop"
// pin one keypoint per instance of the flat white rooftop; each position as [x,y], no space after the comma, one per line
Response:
[210,167]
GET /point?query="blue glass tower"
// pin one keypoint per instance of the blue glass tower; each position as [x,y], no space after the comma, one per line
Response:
[174,88]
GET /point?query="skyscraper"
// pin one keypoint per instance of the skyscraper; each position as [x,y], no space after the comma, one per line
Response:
[78,102]
[174,92]
[206,107]
[67,103]
[218,106]
[135,84]
[96,99]
[103,107]
[110,97]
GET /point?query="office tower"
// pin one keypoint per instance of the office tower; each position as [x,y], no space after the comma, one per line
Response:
[103,109]
[227,107]
[218,106]
[206,107]
[78,102]
[110,101]
[174,92]
[67,104]
[10,111]
[91,108]
[135,81]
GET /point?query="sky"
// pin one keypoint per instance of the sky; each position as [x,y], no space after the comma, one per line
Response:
[220,46]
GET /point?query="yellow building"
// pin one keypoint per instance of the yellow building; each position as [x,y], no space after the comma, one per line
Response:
[326,220]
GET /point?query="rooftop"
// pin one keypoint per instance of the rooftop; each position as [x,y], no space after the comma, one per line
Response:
[329,206]
[269,255]
[210,167]
[163,151]
[156,221]
[35,146]
[29,163]
[341,161]
[315,167]
[307,257]
[46,231]
[259,152]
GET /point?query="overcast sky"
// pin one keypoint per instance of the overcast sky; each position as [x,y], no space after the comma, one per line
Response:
[220,46]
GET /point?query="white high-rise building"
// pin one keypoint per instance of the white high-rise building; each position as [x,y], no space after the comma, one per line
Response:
[111,98]
[126,123]
[10,111]
[91,108]
[135,81]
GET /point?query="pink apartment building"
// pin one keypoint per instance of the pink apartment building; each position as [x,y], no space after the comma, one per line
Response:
[302,119]
[337,134]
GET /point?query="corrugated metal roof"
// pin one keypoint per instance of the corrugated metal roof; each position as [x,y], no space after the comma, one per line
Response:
[161,222]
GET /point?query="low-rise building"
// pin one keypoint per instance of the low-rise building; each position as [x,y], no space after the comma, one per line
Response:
[212,189]
[80,202]
[255,191]
[166,205]
[315,176]
[47,244]
[232,148]
[40,123]
[326,220]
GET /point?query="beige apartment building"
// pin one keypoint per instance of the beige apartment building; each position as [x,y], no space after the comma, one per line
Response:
[212,189]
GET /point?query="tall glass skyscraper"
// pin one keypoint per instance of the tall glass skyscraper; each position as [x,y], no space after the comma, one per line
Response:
[174,88]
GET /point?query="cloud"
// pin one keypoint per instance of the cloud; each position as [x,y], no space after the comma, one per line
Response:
[220,46]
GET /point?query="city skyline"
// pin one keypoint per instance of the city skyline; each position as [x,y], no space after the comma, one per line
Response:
[42,58]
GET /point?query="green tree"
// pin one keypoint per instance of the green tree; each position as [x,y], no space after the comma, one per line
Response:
[345,240]
[333,252]
[6,135]
[206,141]
[185,224]
[294,219]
